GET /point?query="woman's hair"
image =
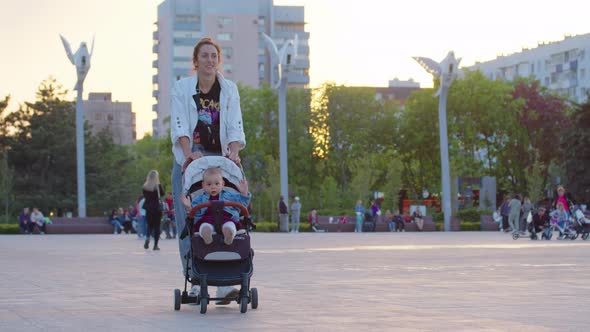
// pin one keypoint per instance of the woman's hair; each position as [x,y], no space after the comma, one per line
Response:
[152,181]
[560,188]
[201,43]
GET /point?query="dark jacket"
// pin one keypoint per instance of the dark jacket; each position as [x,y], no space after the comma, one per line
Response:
[152,203]
[283,208]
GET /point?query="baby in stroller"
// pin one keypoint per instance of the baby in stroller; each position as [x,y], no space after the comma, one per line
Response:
[560,221]
[213,187]
[218,200]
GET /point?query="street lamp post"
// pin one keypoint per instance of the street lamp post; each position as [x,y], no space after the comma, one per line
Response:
[80,59]
[282,58]
[446,71]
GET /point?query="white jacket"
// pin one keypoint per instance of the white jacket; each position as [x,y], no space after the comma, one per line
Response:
[184,117]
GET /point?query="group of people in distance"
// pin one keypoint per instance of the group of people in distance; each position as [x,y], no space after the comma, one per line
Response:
[515,213]
[28,221]
[396,221]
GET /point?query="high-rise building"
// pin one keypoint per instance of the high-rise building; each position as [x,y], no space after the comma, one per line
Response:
[101,112]
[561,66]
[234,24]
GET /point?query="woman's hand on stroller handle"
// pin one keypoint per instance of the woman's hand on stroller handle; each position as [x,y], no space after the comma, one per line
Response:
[192,156]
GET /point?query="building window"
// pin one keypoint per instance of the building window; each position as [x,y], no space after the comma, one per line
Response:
[183,51]
[582,74]
[187,18]
[187,34]
[110,117]
[227,68]
[98,116]
[532,68]
[221,20]
[227,52]
[226,36]
[183,64]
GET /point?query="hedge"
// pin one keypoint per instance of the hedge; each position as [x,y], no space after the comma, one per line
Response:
[266,226]
[9,229]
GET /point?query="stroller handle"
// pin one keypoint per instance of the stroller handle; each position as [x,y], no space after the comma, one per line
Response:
[194,210]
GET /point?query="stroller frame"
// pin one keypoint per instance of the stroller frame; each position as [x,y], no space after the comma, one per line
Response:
[205,278]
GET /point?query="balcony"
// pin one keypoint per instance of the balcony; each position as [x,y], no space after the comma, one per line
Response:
[155,64]
[155,93]
[155,108]
[154,79]
[155,48]
[155,35]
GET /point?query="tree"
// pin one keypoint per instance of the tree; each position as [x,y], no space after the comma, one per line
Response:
[575,144]
[43,150]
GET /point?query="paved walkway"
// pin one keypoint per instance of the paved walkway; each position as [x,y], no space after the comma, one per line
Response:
[307,282]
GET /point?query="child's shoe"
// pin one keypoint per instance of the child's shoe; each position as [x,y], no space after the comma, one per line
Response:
[206,233]
[229,232]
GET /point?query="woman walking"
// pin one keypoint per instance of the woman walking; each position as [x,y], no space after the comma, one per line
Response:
[152,191]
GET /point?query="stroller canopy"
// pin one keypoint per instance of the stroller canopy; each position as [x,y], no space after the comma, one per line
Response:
[194,172]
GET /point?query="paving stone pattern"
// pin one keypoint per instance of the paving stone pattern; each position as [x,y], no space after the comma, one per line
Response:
[463,281]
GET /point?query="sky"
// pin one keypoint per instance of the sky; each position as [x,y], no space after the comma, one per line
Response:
[364,43]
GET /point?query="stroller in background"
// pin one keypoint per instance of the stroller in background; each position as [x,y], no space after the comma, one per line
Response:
[369,224]
[581,222]
[567,230]
[217,264]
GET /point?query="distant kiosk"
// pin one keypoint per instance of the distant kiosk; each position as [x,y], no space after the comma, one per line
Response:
[80,59]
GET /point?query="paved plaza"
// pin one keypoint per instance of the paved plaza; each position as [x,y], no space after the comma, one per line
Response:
[462,281]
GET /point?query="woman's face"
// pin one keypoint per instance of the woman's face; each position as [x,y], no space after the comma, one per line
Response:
[560,193]
[207,60]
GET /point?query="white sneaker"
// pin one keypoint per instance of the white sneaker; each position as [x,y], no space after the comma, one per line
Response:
[207,234]
[229,233]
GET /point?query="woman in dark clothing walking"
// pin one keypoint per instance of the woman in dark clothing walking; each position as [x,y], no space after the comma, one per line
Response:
[152,191]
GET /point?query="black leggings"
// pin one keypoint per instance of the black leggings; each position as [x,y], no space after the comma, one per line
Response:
[153,225]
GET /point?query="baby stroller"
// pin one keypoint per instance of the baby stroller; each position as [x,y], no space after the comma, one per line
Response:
[369,222]
[566,230]
[217,264]
[581,222]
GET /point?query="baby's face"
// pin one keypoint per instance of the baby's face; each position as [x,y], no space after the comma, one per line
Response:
[213,184]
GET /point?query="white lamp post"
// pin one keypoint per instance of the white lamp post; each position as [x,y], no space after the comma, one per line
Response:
[446,71]
[80,59]
[282,58]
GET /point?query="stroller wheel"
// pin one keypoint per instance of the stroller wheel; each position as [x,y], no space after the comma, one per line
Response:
[244,304]
[574,236]
[204,306]
[254,297]
[177,299]
[585,236]
[515,236]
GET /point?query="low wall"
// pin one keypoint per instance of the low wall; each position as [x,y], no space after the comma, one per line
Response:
[88,225]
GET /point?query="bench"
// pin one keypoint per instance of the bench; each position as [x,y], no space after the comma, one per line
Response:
[335,226]
[88,225]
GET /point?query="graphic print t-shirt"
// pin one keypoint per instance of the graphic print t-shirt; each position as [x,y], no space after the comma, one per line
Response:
[208,110]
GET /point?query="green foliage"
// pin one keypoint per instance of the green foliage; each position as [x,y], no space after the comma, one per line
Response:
[266,227]
[470,226]
[575,145]
[9,229]
[273,227]
[471,214]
